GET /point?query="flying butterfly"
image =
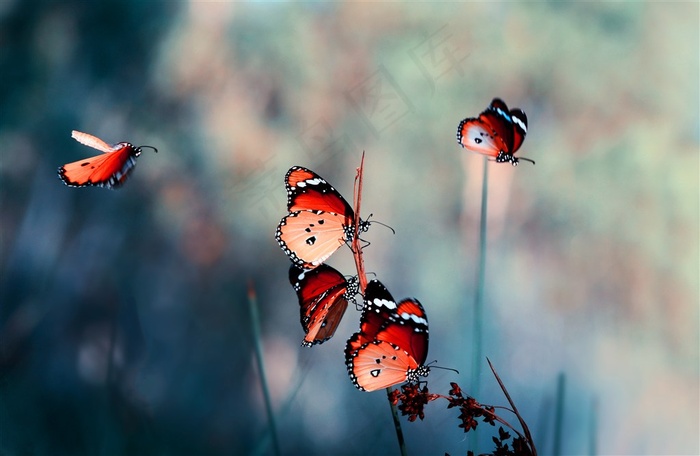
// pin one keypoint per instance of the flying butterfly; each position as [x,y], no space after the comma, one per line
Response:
[109,170]
[323,295]
[498,132]
[319,219]
[392,344]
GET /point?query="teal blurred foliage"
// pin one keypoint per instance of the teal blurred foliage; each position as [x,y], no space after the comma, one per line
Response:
[592,262]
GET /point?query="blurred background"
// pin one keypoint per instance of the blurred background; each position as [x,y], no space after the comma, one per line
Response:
[592,254]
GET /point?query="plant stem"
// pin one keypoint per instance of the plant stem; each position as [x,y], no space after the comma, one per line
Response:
[559,412]
[397,424]
[355,246]
[255,324]
[362,276]
[480,278]
[479,294]
[593,437]
[523,424]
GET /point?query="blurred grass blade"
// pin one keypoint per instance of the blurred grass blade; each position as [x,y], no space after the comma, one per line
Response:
[559,414]
[593,436]
[479,294]
[255,324]
[523,424]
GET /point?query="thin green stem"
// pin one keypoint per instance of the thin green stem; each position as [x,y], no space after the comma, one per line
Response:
[255,324]
[593,436]
[477,334]
[559,414]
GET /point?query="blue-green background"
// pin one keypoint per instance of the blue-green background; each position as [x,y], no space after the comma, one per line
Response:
[592,260]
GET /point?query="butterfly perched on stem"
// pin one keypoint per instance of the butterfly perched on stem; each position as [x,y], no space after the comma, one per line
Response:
[319,219]
[323,295]
[392,344]
[109,169]
[498,132]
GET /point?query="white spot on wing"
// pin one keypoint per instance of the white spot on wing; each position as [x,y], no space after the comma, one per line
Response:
[414,317]
[385,303]
[520,123]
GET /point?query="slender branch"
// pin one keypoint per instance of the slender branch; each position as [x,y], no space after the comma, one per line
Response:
[504,422]
[480,284]
[479,293]
[362,277]
[356,247]
[526,430]
[559,413]
[255,324]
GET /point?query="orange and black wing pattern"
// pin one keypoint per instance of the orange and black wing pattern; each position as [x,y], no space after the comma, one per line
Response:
[110,169]
[392,344]
[323,295]
[498,132]
[319,222]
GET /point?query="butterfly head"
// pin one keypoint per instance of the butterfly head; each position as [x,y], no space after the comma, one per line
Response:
[413,375]
[505,158]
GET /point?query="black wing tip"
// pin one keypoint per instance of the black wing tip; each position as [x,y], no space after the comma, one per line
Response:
[378,290]
[64,178]
[498,100]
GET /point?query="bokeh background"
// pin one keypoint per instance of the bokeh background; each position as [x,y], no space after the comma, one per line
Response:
[592,261]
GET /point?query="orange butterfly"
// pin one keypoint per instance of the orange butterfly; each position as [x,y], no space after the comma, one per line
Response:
[498,132]
[319,219]
[392,344]
[108,170]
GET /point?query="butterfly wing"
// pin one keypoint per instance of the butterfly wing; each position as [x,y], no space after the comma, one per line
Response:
[497,117]
[408,329]
[93,141]
[323,298]
[307,191]
[109,170]
[378,307]
[497,132]
[519,128]
[380,364]
[392,344]
[476,135]
[310,237]
[319,222]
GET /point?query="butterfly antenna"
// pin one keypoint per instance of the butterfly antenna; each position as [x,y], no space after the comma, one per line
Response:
[149,147]
[382,224]
[440,367]
[527,159]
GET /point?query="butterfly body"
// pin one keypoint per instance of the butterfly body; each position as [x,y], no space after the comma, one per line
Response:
[109,170]
[319,222]
[498,133]
[392,344]
[323,295]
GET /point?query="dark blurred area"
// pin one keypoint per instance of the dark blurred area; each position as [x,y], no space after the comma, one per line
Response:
[124,322]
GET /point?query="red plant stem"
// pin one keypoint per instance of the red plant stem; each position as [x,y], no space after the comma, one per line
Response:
[362,277]
[356,248]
